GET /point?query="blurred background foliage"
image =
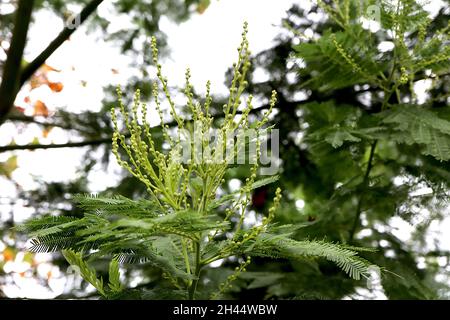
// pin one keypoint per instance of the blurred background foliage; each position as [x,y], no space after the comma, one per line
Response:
[322,181]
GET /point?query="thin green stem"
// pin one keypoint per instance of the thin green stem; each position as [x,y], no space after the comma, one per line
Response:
[198,267]
[186,257]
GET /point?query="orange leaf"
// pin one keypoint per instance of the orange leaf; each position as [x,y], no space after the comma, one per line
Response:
[35,82]
[46,131]
[8,254]
[47,68]
[40,109]
[56,86]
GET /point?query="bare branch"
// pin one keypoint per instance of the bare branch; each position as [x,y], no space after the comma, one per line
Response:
[11,72]
[58,41]
[29,119]
[93,142]
[13,79]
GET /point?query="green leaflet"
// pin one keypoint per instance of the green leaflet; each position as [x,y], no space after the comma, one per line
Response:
[261,279]
[184,223]
[87,272]
[46,231]
[407,116]
[418,125]
[42,223]
[332,123]
[157,252]
[337,137]
[114,277]
[359,68]
[118,205]
[52,243]
[262,182]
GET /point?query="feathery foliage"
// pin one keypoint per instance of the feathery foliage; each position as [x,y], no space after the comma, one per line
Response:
[178,228]
[351,56]
[366,151]
[417,125]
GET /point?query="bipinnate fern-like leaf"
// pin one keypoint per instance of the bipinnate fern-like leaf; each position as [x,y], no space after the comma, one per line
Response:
[131,239]
[418,125]
[280,246]
[89,274]
[134,240]
[344,56]
[43,223]
[53,243]
[116,205]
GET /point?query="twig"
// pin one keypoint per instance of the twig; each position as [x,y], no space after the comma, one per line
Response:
[361,197]
[93,142]
[31,68]
[11,72]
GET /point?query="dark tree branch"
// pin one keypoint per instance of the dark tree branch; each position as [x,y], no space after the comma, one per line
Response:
[93,142]
[13,79]
[365,183]
[31,68]
[28,119]
[11,71]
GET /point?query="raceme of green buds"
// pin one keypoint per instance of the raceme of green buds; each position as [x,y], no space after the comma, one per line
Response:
[190,184]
